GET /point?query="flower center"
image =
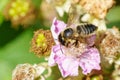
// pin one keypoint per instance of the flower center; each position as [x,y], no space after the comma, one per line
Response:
[18,8]
[75,51]
[41,41]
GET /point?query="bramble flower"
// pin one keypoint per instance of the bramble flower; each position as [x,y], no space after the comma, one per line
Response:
[18,8]
[110,45]
[31,72]
[98,8]
[20,12]
[69,59]
[42,42]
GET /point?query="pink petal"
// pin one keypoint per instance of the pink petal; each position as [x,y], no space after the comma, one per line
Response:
[90,60]
[68,67]
[51,61]
[55,55]
[56,28]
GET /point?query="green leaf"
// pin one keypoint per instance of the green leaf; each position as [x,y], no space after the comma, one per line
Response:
[1,18]
[37,3]
[113,17]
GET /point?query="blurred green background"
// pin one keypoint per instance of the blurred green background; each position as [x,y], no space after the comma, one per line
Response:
[15,43]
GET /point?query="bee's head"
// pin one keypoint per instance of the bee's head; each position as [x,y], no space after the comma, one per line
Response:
[65,35]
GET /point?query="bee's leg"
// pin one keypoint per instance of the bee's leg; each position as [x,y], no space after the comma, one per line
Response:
[76,43]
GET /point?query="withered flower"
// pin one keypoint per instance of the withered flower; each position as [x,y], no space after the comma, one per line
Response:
[98,8]
[110,45]
[31,72]
[42,42]
[20,12]
[24,71]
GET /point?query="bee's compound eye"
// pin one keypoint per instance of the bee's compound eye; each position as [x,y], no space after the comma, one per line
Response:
[68,33]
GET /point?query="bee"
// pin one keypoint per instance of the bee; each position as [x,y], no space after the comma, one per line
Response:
[70,36]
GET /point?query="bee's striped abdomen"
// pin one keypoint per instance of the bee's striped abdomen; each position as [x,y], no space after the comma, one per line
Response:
[86,29]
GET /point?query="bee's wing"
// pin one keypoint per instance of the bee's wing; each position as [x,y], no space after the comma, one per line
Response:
[75,13]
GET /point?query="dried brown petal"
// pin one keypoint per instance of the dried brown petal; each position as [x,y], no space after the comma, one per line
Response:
[98,8]
[49,42]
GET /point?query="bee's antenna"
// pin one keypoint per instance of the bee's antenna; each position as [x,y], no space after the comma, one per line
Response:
[61,49]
